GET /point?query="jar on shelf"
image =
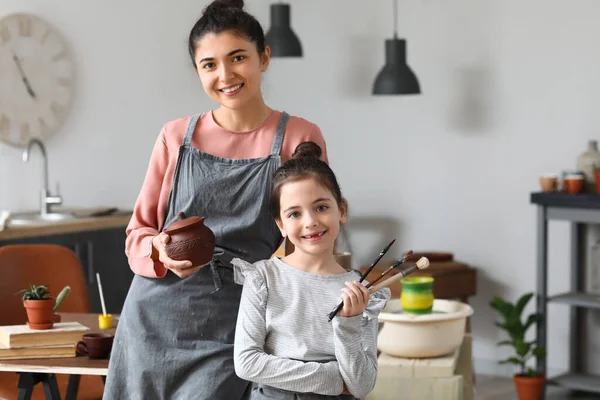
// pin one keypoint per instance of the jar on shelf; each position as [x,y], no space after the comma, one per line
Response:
[586,162]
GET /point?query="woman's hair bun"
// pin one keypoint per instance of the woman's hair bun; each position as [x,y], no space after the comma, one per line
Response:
[221,4]
[307,150]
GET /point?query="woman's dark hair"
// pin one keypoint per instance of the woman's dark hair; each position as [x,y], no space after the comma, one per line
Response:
[227,15]
[305,164]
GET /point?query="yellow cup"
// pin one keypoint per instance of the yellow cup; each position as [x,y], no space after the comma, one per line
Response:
[105,321]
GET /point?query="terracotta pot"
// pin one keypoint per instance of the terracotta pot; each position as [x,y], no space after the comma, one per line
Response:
[39,313]
[529,388]
[597,178]
[549,182]
[190,240]
[573,183]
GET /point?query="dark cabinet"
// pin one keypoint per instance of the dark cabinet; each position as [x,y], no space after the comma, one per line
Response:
[101,251]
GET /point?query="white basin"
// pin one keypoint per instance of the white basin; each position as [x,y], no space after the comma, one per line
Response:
[423,336]
[35,218]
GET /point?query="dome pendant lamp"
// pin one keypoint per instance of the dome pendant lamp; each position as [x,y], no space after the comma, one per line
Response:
[282,40]
[396,77]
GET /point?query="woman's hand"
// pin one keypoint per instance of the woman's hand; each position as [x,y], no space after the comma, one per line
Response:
[356,298]
[182,269]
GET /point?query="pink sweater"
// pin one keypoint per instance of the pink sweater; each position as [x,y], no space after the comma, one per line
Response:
[150,208]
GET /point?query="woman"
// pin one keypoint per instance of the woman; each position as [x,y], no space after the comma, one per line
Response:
[176,331]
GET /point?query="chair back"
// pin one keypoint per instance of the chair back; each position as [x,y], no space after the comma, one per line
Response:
[39,264]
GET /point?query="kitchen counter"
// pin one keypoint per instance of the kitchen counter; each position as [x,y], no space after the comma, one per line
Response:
[67,226]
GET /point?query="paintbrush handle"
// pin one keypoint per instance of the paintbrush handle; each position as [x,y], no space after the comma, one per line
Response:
[384,273]
[393,279]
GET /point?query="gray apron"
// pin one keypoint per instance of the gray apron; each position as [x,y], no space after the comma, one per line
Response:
[175,336]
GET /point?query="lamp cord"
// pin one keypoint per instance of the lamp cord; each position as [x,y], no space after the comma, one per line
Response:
[395,19]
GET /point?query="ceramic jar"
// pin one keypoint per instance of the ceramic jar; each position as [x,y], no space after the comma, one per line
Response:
[190,240]
[417,294]
[586,162]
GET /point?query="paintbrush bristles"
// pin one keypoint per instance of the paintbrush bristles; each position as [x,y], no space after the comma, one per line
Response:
[423,263]
[408,254]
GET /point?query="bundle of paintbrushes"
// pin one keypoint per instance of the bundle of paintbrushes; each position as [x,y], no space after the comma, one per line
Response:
[422,263]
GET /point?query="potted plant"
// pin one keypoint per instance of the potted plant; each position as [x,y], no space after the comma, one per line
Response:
[38,306]
[59,299]
[528,382]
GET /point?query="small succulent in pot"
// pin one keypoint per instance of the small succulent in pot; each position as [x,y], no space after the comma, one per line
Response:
[38,305]
[35,293]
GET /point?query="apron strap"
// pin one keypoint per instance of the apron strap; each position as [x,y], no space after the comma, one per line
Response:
[190,130]
[279,133]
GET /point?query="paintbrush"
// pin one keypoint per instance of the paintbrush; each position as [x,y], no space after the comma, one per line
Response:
[419,265]
[381,254]
[362,278]
[394,265]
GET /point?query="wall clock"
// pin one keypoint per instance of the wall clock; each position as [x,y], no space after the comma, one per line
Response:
[37,78]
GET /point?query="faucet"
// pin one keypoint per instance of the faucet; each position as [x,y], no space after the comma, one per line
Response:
[46,198]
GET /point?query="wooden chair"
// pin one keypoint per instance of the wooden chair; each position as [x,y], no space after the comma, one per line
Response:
[57,267]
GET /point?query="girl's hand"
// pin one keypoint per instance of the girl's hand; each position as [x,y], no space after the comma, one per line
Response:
[346,391]
[182,269]
[356,298]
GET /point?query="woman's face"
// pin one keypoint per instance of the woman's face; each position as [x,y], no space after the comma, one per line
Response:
[230,68]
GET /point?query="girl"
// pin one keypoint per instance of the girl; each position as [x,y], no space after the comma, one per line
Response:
[283,339]
[175,335]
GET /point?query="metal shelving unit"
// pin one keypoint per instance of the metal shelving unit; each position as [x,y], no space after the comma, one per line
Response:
[580,210]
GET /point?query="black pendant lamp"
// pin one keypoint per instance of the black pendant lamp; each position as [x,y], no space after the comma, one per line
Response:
[282,40]
[396,77]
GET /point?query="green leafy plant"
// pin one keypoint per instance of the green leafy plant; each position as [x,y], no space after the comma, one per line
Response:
[517,327]
[61,297]
[35,293]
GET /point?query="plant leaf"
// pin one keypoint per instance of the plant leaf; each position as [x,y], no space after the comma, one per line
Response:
[511,360]
[522,303]
[539,352]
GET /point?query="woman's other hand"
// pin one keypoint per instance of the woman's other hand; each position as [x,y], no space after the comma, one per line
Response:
[182,269]
[356,298]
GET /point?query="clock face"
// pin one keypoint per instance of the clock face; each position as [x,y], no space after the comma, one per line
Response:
[36,79]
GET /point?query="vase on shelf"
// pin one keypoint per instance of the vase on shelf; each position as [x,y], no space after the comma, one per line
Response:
[586,162]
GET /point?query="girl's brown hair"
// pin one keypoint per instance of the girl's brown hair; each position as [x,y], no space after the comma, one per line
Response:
[305,164]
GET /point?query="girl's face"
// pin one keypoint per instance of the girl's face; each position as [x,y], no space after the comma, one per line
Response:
[230,68]
[309,217]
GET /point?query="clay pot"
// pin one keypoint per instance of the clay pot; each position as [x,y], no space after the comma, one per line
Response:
[529,388]
[573,183]
[549,182]
[39,313]
[190,240]
[597,178]
[417,295]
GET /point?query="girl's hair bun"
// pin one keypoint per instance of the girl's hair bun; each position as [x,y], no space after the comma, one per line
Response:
[307,150]
[221,4]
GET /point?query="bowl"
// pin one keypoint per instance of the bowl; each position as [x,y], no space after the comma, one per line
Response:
[423,336]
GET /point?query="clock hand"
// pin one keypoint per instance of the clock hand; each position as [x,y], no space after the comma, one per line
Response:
[23,77]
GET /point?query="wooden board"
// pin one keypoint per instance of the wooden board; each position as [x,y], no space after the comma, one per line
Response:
[12,336]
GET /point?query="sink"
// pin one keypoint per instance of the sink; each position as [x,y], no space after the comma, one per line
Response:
[35,218]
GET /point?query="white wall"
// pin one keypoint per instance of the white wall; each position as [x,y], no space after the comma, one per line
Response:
[510,90]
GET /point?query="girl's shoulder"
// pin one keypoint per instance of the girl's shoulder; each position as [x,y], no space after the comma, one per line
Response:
[244,270]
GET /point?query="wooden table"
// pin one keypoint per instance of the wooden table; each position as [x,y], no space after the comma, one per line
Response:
[34,371]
